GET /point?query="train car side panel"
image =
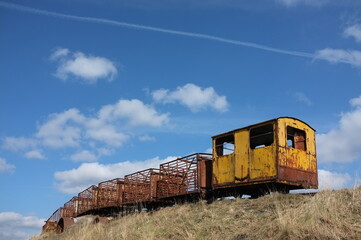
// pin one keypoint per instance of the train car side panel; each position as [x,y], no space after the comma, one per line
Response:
[262,153]
[223,162]
[242,173]
[297,154]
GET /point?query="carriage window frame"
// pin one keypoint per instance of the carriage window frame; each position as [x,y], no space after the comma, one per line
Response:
[225,145]
[291,134]
[261,136]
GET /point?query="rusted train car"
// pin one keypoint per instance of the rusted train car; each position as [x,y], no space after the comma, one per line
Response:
[279,154]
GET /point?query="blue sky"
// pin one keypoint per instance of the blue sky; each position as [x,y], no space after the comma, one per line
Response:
[92,90]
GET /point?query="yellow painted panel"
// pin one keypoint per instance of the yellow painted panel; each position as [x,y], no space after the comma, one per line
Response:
[241,156]
[282,142]
[295,158]
[224,169]
[310,133]
[262,162]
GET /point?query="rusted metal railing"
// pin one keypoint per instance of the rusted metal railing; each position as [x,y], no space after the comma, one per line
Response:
[87,199]
[68,210]
[110,193]
[141,186]
[185,175]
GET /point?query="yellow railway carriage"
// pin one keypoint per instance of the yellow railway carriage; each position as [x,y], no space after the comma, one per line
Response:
[278,154]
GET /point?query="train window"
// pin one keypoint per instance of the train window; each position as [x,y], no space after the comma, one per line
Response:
[225,145]
[296,138]
[261,136]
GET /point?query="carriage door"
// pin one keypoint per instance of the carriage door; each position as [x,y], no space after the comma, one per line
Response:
[223,164]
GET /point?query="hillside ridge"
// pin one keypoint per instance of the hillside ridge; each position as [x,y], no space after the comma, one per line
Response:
[325,215]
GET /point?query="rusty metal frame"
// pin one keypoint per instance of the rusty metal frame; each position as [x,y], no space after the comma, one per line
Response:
[110,193]
[87,200]
[183,175]
[68,210]
[141,186]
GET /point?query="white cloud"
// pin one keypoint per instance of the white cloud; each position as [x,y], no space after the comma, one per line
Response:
[135,111]
[293,3]
[123,114]
[87,68]
[62,130]
[107,134]
[353,31]
[147,138]
[14,226]
[109,128]
[333,180]
[37,154]
[352,57]
[104,151]
[75,180]
[83,156]
[193,97]
[342,144]
[59,53]
[17,144]
[301,97]
[6,167]
[356,102]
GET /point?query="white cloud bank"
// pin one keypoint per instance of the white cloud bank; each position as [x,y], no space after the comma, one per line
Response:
[62,129]
[353,31]
[6,167]
[76,180]
[343,143]
[105,130]
[70,128]
[293,3]
[333,180]
[193,97]
[14,226]
[35,154]
[84,156]
[147,138]
[17,144]
[301,97]
[89,68]
[352,57]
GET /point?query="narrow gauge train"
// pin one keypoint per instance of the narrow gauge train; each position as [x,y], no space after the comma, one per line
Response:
[279,154]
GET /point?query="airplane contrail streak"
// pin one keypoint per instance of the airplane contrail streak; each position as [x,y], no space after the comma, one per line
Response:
[154,29]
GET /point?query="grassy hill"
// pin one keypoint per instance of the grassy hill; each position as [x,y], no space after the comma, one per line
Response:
[326,215]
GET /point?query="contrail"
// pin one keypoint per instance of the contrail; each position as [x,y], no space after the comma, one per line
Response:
[154,29]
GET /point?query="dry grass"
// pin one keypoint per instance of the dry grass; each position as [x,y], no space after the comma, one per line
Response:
[326,215]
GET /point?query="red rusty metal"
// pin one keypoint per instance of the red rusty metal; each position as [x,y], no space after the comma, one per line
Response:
[100,220]
[297,177]
[87,200]
[68,210]
[50,226]
[110,193]
[185,175]
[64,223]
[141,186]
